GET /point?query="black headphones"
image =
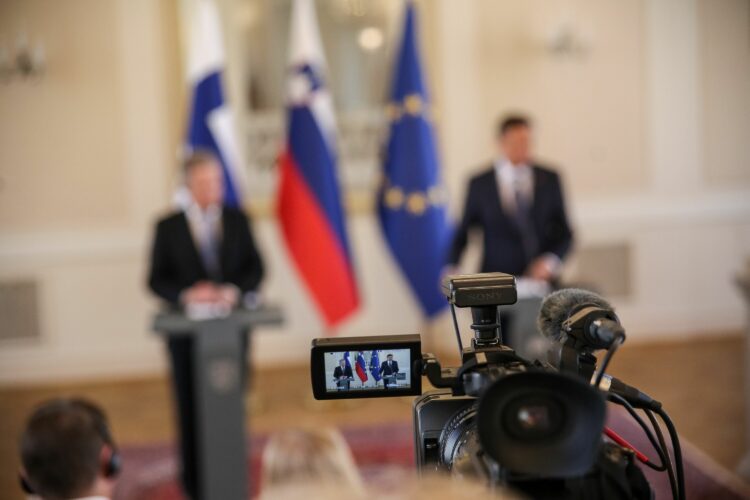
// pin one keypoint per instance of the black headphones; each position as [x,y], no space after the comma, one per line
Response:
[114,463]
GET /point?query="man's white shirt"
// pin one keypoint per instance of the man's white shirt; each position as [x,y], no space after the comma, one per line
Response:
[198,219]
[510,179]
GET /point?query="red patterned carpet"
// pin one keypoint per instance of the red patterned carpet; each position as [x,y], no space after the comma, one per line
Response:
[385,453]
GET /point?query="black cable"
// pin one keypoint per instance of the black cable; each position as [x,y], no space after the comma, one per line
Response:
[662,442]
[458,332]
[607,358]
[654,443]
[676,449]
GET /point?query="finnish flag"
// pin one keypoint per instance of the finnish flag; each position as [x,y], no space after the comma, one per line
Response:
[211,125]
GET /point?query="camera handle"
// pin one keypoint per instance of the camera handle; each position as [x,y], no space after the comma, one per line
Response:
[578,362]
[465,379]
[438,376]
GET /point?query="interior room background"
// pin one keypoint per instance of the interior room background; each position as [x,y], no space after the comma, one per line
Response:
[643,105]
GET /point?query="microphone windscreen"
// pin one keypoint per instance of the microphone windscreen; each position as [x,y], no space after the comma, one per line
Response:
[558,306]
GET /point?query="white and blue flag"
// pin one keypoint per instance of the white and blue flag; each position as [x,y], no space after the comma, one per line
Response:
[211,125]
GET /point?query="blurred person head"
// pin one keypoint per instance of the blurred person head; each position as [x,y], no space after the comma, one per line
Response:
[308,460]
[67,451]
[434,486]
[396,484]
[204,178]
[342,363]
[514,139]
[312,491]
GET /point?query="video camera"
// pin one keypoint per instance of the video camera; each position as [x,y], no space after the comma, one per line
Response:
[497,417]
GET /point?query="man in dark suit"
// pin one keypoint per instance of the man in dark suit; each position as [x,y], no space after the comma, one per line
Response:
[343,375]
[389,369]
[204,254]
[518,205]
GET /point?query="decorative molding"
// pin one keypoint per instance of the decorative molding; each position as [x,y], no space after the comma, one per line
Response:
[603,220]
[358,141]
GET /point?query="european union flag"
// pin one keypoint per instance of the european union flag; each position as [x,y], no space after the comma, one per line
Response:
[375,366]
[411,203]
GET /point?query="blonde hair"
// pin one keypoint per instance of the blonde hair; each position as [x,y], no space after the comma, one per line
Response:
[435,486]
[309,457]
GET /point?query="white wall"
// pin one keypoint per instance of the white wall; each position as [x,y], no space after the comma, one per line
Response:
[85,157]
[625,121]
[688,230]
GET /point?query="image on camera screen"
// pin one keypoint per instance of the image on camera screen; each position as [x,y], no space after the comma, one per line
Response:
[372,370]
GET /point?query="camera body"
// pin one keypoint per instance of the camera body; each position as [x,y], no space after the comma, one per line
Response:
[497,417]
[432,412]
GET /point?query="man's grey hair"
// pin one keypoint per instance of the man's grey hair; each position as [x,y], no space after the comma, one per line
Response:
[197,158]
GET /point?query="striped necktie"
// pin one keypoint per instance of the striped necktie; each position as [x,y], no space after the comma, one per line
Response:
[525,222]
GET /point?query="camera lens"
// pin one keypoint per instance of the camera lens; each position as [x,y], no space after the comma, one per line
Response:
[458,440]
[533,417]
[541,423]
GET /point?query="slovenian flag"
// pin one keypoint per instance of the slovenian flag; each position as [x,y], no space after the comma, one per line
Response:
[309,205]
[411,202]
[361,367]
[375,366]
[211,126]
[346,358]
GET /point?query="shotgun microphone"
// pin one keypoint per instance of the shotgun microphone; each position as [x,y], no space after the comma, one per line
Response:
[581,316]
[580,322]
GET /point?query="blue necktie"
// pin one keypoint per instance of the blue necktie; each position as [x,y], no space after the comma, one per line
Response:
[208,249]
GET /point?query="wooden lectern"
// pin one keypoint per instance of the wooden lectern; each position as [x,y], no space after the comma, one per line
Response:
[219,394]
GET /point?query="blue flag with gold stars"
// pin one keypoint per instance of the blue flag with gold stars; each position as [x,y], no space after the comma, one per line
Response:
[411,201]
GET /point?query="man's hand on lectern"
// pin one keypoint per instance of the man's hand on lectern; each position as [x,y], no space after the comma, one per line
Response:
[230,294]
[201,293]
[545,267]
[207,292]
